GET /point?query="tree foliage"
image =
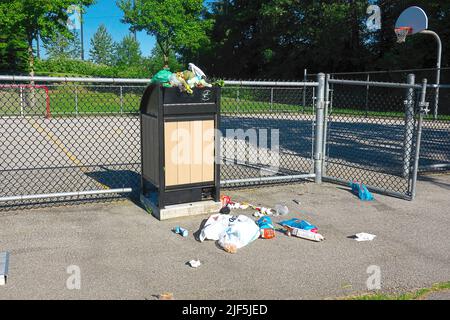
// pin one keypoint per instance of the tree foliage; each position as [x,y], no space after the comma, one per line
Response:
[102,47]
[178,25]
[128,52]
[13,42]
[281,38]
[62,46]
[32,17]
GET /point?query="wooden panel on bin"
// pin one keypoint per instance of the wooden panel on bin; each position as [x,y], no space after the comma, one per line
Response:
[184,152]
[208,150]
[196,151]
[171,152]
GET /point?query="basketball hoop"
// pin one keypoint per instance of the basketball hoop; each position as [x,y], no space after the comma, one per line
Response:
[402,33]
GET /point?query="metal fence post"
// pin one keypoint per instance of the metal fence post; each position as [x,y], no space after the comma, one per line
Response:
[22,102]
[325,125]
[305,79]
[121,100]
[423,111]
[76,99]
[367,95]
[318,145]
[409,126]
[271,99]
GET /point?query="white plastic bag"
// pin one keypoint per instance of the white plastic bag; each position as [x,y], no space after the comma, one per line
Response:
[215,226]
[240,232]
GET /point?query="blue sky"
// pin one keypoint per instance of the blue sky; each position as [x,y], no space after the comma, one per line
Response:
[108,13]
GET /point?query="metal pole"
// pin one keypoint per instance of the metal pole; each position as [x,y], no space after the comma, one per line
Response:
[423,110]
[76,100]
[318,145]
[268,179]
[409,126]
[325,126]
[367,95]
[121,100]
[65,194]
[22,102]
[438,72]
[305,79]
[82,33]
[271,99]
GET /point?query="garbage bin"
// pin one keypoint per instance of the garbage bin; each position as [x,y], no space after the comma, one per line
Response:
[179,145]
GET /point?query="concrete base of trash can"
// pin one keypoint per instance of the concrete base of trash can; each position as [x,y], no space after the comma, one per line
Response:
[181,210]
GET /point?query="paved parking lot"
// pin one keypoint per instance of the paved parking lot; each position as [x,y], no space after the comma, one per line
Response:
[123,253]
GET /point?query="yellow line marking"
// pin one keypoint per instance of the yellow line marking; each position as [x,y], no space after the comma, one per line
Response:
[58,143]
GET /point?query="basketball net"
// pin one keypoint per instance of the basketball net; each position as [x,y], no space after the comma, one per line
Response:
[402,33]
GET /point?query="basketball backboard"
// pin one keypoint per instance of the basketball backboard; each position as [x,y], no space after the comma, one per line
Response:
[414,18]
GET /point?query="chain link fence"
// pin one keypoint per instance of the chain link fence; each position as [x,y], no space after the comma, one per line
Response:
[79,139]
[82,138]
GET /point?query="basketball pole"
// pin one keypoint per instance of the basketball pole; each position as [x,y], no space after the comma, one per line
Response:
[438,73]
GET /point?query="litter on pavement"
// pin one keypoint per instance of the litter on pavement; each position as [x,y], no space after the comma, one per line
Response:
[364,236]
[166,296]
[304,234]
[281,210]
[361,191]
[302,229]
[266,228]
[181,231]
[299,224]
[195,263]
[259,211]
[231,232]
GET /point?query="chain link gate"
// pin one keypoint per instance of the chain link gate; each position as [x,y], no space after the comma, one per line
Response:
[268,130]
[78,139]
[374,139]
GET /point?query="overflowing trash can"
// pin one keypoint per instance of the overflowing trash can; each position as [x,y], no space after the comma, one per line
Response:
[179,145]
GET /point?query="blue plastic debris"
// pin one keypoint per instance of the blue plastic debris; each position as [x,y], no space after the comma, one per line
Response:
[361,191]
[181,231]
[300,224]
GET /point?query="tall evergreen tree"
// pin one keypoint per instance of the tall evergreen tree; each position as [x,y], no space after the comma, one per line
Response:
[128,52]
[102,47]
[62,46]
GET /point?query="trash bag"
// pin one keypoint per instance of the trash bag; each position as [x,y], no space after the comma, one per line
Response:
[361,191]
[241,231]
[162,77]
[214,227]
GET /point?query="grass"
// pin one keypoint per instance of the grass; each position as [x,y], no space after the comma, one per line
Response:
[414,295]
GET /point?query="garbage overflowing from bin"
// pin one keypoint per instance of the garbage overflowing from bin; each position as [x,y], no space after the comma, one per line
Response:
[185,80]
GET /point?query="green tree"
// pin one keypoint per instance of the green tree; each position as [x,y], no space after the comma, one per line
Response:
[63,47]
[128,52]
[102,47]
[178,25]
[46,17]
[13,41]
